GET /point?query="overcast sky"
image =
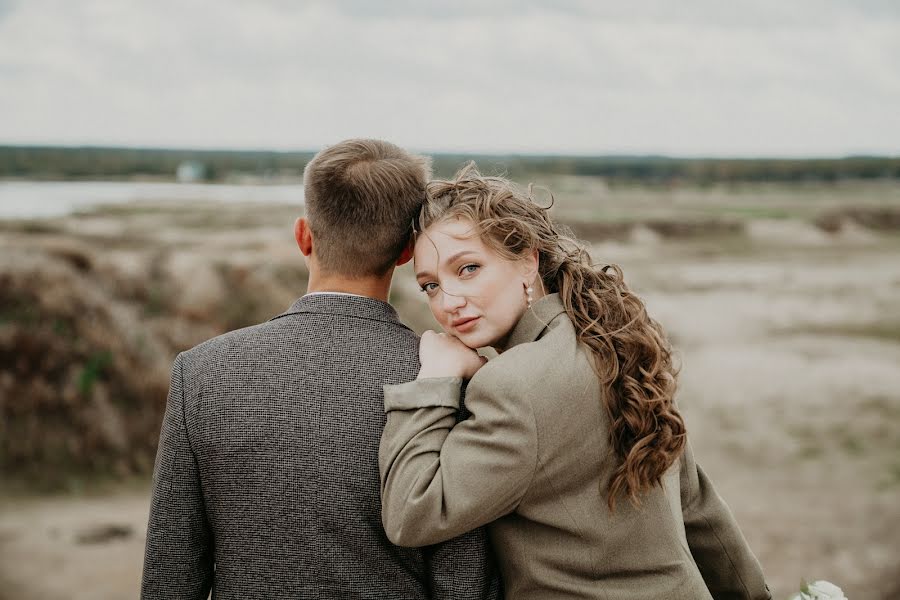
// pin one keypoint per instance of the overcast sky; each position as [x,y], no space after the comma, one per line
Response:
[687,78]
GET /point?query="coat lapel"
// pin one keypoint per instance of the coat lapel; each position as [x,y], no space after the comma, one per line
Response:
[536,320]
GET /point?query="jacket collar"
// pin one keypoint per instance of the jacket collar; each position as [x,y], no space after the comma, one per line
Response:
[536,320]
[361,307]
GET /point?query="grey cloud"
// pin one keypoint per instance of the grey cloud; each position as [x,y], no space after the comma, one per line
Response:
[872,8]
[7,7]
[737,14]
[580,76]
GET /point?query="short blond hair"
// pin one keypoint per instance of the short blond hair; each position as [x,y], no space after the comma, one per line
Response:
[361,197]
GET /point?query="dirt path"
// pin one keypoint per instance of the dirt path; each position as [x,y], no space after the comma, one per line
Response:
[88,548]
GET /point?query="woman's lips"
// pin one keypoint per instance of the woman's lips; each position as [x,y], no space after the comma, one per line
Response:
[465,324]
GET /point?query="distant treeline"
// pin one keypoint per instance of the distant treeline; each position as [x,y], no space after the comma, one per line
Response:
[47,162]
[53,162]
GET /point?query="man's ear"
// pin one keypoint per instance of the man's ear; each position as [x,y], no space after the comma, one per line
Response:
[407,253]
[303,235]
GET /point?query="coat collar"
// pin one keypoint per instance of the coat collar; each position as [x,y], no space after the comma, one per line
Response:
[536,320]
[349,305]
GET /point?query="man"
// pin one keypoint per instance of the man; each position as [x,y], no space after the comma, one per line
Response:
[266,482]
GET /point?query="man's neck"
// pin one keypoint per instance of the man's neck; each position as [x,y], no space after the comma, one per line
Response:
[378,288]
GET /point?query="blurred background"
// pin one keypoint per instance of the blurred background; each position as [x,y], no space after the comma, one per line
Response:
[740,161]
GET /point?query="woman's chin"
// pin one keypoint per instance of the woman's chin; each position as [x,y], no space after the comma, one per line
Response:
[475,340]
[469,340]
[472,339]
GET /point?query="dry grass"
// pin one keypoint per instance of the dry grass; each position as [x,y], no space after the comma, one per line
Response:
[787,334]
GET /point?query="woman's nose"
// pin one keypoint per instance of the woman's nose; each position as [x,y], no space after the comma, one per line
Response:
[452,302]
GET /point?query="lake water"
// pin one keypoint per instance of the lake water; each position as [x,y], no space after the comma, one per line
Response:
[41,199]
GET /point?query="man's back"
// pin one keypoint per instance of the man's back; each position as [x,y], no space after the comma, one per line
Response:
[268,466]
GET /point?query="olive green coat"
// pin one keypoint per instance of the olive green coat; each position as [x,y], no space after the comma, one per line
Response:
[534,462]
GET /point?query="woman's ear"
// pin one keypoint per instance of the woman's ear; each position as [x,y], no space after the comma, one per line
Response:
[529,268]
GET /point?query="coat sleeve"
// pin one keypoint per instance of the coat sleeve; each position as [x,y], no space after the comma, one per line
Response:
[728,566]
[179,557]
[464,567]
[439,481]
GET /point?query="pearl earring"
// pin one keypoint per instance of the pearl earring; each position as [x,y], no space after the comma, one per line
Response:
[528,292]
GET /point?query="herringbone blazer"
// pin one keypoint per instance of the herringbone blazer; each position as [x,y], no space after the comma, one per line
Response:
[534,461]
[266,480]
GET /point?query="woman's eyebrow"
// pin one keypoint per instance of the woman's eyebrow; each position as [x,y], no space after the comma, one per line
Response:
[459,255]
[450,260]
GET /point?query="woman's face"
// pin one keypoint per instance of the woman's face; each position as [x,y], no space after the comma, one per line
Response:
[475,294]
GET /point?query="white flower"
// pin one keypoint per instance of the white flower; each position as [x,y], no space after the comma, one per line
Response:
[825,590]
[820,590]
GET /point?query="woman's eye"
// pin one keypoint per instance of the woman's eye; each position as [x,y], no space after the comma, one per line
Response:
[429,288]
[468,269]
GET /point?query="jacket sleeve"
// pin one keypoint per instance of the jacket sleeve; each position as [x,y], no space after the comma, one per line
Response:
[439,481]
[463,567]
[728,566]
[179,557]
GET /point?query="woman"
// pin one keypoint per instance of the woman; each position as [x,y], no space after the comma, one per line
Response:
[574,453]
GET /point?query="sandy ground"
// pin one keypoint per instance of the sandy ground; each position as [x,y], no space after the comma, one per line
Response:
[80,549]
[790,347]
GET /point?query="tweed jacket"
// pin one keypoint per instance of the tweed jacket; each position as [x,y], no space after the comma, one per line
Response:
[266,481]
[534,461]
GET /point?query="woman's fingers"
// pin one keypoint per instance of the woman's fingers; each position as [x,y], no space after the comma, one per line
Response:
[443,355]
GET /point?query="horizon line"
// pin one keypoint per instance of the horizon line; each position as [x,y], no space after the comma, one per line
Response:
[458,152]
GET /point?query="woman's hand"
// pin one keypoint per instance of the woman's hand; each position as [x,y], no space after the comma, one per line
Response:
[443,355]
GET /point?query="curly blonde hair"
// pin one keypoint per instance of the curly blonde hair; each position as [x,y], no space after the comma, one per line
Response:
[631,355]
